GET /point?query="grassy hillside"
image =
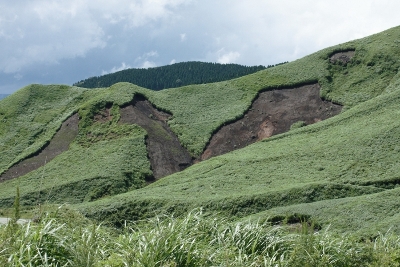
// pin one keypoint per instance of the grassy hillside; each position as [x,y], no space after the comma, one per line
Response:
[31,116]
[351,156]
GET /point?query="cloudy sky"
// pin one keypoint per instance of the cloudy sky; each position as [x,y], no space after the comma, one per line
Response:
[62,42]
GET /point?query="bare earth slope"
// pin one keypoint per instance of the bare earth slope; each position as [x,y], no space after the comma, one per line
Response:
[166,154]
[58,144]
[343,57]
[273,112]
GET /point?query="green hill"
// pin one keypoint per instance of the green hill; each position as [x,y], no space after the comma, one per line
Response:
[175,75]
[342,171]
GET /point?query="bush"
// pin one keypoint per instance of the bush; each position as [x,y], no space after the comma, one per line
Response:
[297,125]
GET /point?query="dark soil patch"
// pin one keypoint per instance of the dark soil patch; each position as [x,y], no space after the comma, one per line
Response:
[343,57]
[103,116]
[58,144]
[166,153]
[273,112]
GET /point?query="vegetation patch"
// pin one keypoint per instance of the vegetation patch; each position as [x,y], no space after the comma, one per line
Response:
[385,184]
[362,215]
[194,239]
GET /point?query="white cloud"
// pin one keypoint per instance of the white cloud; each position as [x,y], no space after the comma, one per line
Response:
[227,57]
[183,37]
[18,76]
[46,31]
[123,66]
[268,32]
[148,64]
[172,62]
[138,12]
[144,61]
[147,55]
[151,54]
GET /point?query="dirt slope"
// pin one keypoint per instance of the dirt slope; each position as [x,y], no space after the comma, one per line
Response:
[165,152]
[273,112]
[58,144]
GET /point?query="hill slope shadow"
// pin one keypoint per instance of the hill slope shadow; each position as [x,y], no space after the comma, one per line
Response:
[165,152]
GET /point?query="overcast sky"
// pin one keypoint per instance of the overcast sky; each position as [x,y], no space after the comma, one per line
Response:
[62,42]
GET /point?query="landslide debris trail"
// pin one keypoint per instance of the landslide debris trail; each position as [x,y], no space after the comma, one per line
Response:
[273,112]
[58,144]
[165,152]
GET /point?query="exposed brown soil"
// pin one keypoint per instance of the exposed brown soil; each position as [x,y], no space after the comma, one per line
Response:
[343,57]
[103,116]
[273,112]
[58,144]
[165,152]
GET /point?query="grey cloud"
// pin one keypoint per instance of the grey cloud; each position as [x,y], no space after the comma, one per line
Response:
[47,31]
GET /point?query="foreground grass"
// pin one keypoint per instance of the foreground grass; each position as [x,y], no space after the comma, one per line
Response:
[192,240]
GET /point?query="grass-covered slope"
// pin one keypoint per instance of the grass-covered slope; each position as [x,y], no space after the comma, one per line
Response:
[3,96]
[338,158]
[30,117]
[105,158]
[353,154]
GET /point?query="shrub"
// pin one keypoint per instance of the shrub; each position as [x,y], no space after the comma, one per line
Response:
[298,124]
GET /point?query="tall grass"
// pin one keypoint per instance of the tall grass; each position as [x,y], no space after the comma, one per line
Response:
[196,239]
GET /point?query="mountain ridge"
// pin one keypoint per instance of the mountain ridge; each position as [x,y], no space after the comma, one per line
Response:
[175,75]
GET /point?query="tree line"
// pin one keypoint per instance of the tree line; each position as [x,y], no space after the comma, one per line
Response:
[175,75]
